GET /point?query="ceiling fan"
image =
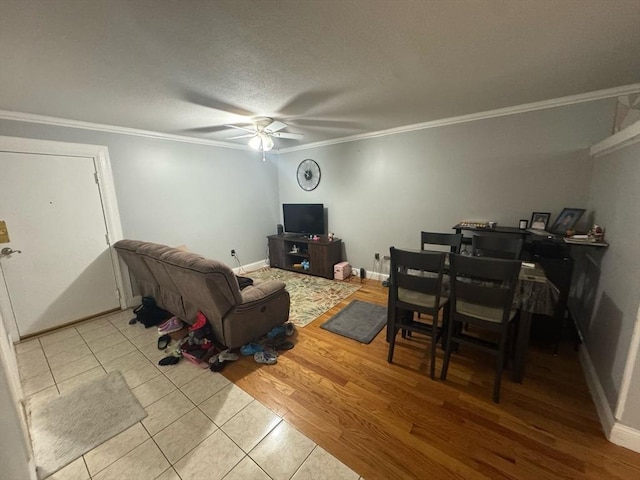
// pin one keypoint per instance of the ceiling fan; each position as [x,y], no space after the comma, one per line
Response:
[261,133]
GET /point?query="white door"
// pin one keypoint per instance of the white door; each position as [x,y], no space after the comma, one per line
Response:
[53,212]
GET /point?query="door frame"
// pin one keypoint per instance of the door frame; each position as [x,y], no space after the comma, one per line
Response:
[106,189]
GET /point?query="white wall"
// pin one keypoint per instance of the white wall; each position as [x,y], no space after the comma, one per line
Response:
[211,199]
[383,191]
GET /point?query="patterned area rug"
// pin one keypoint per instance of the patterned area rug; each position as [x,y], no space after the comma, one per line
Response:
[310,296]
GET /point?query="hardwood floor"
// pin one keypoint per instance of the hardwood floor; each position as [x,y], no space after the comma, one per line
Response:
[391,421]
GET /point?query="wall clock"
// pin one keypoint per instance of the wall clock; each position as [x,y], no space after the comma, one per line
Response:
[308,174]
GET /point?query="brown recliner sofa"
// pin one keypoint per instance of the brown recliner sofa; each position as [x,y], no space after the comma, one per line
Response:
[184,283]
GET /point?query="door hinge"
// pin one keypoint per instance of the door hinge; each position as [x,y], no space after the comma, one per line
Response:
[106,237]
[95,177]
[118,293]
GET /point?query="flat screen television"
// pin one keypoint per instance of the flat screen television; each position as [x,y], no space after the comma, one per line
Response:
[304,218]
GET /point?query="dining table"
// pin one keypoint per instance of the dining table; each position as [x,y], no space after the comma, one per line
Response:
[535,294]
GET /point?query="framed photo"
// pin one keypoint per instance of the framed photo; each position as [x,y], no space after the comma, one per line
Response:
[539,220]
[566,220]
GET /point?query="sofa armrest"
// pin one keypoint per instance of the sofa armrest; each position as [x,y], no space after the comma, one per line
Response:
[261,292]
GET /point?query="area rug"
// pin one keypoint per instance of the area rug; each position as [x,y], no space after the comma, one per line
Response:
[310,296]
[360,321]
[67,427]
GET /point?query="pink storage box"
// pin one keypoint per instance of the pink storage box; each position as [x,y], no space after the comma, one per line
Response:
[341,271]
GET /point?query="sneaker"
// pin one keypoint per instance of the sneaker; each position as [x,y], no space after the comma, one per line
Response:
[170,326]
[165,323]
[289,328]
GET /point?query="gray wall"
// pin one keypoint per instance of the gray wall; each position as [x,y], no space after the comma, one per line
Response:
[383,191]
[614,286]
[211,199]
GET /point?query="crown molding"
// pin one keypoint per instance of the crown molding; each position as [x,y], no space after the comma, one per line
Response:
[623,138]
[501,112]
[527,107]
[62,122]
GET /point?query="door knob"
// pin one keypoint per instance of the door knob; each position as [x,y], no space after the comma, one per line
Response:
[9,251]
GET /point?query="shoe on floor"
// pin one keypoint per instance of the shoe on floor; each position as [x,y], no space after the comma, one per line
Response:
[275,332]
[164,341]
[171,325]
[170,360]
[251,349]
[266,358]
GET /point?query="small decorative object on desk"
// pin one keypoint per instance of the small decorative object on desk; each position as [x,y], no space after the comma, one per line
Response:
[331,237]
[523,224]
[597,232]
[477,224]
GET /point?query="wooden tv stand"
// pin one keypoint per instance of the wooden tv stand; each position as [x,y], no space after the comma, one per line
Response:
[322,254]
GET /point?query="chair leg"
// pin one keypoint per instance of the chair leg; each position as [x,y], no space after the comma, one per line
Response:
[434,342]
[447,352]
[499,366]
[392,344]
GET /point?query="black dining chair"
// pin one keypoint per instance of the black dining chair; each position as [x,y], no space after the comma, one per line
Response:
[416,286]
[453,240]
[482,291]
[497,246]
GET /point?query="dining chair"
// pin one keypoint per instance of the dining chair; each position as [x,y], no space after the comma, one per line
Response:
[482,291]
[497,246]
[416,286]
[454,240]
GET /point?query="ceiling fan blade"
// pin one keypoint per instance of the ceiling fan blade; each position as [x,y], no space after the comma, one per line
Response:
[246,129]
[294,136]
[275,126]
[242,136]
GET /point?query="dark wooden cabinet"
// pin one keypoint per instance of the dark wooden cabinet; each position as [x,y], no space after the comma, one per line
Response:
[291,252]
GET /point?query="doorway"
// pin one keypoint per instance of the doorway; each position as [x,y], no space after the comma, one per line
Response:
[58,202]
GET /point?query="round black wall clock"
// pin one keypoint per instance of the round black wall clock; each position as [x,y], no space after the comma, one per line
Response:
[308,174]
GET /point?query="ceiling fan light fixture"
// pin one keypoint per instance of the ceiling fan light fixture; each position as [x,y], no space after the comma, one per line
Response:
[267,142]
[255,142]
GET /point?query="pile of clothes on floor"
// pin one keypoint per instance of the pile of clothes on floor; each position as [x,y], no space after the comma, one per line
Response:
[195,343]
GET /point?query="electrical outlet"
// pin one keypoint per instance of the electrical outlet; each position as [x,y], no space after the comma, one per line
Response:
[233,252]
[376,256]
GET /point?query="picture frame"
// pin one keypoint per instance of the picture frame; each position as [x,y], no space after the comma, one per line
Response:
[566,220]
[539,220]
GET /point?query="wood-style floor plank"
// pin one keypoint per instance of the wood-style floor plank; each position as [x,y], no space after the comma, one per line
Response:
[391,421]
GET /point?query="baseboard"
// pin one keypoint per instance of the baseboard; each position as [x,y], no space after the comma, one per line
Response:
[603,408]
[626,437]
[250,267]
[134,301]
[377,276]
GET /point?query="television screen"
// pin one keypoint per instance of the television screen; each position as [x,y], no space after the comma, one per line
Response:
[306,218]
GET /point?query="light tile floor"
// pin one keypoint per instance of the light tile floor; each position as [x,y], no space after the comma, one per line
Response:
[199,425]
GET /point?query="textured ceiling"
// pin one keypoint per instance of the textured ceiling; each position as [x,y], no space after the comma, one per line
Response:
[327,68]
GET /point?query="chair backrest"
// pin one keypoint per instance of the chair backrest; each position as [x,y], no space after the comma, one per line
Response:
[482,287]
[454,240]
[416,278]
[496,246]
